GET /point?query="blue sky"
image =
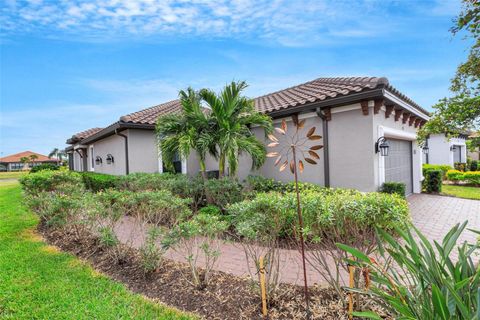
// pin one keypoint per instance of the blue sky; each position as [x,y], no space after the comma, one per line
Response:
[66,66]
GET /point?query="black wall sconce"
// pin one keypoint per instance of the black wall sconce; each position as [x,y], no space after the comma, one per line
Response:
[382,146]
[425,149]
[110,159]
[98,160]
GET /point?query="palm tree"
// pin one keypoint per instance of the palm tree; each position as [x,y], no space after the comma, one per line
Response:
[24,160]
[57,153]
[179,134]
[234,115]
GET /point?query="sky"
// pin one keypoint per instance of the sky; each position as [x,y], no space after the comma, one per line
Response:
[66,66]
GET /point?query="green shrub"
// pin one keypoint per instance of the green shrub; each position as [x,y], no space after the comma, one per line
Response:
[426,280]
[460,166]
[49,180]
[158,207]
[455,175]
[198,237]
[433,181]
[472,177]
[99,181]
[222,192]
[474,165]
[393,187]
[441,167]
[262,184]
[151,253]
[210,210]
[44,166]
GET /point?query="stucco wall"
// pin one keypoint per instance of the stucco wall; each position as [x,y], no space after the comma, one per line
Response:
[439,149]
[142,150]
[312,173]
[114,145]
[77,162]
[351,149]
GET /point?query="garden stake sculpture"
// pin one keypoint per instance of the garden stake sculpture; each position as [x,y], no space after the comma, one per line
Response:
[296,145]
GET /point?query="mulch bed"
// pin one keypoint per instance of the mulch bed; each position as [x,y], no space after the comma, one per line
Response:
[227,297]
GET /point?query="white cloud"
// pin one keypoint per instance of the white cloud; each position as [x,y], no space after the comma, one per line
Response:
[283,21]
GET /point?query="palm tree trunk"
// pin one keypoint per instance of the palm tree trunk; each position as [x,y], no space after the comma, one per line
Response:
[203,169]
[221,165]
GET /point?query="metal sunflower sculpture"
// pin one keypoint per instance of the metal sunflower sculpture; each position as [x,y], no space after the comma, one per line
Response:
[294,151]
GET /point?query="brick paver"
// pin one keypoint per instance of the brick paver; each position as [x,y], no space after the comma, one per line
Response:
[433,215]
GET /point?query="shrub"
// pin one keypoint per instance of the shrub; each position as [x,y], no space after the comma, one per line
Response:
[433,181]
[425,281]
[472,177]
[99,181]
[222,192]
[393,187]
[178,184]
[329,217]
[155,207]
[441,167]
[48,180]
[474,165]
[44,166]
[198,237]
[455,175]
[460,166]
[262,184]
[210,210]
[151,254]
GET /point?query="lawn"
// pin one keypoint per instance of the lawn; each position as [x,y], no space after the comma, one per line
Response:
[39,282]
[461,191]
[12,175]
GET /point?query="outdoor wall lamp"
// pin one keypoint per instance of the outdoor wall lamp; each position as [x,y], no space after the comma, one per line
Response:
[453,148]
[382,146]
[98,160]
[110,159]
[425,149]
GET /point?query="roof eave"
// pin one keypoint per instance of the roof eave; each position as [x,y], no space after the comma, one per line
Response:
[119,125]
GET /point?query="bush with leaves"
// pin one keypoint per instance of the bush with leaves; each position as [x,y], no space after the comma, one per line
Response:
[262,184]
[222,192]
[460,166]
[98,181]
[472,177]
[198,239]
[455,175]
[433,181]
[44,166]
[151,253]
[49,180]
[442,167]
[417,279]
[393,187]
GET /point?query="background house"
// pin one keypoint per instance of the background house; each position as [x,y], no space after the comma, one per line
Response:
[351,114]
[445,150]
[24,161]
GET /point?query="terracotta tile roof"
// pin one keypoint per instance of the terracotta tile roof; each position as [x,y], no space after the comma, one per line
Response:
[17,156]
[150,115]
[87,133]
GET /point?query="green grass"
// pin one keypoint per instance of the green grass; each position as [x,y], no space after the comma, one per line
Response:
[12,175]
[461,191]
[39,282]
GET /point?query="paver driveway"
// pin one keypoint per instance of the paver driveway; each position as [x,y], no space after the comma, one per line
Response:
[433,215]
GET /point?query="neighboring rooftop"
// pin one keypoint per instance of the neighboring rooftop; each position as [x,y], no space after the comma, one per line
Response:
[17,156]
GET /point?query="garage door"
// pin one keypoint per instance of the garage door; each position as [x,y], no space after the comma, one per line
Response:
[398,163]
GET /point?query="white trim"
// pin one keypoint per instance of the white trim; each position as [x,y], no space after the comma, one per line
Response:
[405,105]
[160,162]
[80,146]
[184,165]
[91,165]
[397,134]
[355,106]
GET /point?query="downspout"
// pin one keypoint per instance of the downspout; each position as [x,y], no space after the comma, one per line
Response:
[127,169]
[326,158]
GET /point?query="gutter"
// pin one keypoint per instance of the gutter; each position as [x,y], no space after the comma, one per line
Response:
[326,157]
[127,169]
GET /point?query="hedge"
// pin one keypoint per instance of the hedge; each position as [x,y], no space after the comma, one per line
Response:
[99,181]
[470,177]
[393,188]
[441,167]
[433,181]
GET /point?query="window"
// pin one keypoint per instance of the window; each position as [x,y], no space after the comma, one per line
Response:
[177,165]
[16,166]
[92,159]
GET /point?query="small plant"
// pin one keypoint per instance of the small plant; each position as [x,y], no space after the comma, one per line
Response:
[424,281]
[442,167]
[222,192]
[44,166]
[198,238]
[393,188]
[151,253]
[455,175]
[472,177]
[474,165]
[210,210]
[460,166]
[99,181]
[107,237]
[433,181]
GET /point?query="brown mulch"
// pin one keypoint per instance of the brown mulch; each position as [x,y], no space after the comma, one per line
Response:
[227,297]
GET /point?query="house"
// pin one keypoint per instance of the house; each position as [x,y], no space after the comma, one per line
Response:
[360,118]
[24,161]
[446,150]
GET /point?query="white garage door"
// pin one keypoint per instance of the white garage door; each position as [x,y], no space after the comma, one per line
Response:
[398,163]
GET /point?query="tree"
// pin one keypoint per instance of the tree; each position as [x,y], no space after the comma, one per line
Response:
[179,134]
[461,113]
[57,153]
[233,116]
[467,77]
[24,160]
[33,157]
